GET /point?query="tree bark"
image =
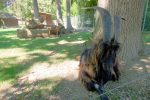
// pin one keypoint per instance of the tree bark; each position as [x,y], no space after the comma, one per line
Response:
[68,26]
[59,12]
[130,36]
[37,16]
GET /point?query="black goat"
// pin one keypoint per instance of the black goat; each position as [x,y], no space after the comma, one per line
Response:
[98,64]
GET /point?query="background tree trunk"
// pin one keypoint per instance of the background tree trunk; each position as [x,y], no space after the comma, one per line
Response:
[68,26]
[130,36]
[37,16]
[59,12]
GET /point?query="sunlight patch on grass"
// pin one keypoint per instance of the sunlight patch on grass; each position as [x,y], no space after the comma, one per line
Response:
[137,68]
[51,44]
[143,65]
[141,68]
[63,42]
[147,43]
[73,42]
[145,60]
[44,70]
[58,56]
[9,29]
[13,36]
[40,51]
[148,66]
[13,52]
[4,85]
[21,59]
[36,72]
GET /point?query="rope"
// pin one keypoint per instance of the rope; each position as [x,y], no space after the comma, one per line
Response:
[127,83]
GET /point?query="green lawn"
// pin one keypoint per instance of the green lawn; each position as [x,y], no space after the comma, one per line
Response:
[146,36]
[17,56]
[36,50]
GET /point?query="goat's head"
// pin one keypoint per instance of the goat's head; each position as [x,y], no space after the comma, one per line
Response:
[107,57]
[110,45]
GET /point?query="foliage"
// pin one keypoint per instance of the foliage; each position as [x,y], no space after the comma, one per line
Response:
[1,5]
[85,3]
[147,24]
[24,8]
[85,17]
[21,9]
[47,6]
[74,9]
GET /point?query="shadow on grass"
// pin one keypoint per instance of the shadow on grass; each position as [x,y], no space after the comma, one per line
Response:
[66,45]
[62,89]
[11,69]
[136,76]
[49,89]
[45,44]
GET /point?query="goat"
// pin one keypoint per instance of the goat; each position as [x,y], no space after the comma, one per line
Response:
[98,64]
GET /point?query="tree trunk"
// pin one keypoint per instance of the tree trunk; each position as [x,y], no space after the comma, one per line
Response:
[68,26]
[37,16]
[130,36]
[59,12]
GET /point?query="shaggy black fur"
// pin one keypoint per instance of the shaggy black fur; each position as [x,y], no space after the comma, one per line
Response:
[98,65]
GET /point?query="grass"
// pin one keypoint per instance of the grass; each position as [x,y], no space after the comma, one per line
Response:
[146,36]
[18,56]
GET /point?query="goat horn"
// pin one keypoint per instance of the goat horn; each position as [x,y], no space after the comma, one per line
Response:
[117,29]
[106,21]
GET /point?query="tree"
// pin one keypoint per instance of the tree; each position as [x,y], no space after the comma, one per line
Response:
[68,24]
[59,12]
[37,16]
[25,9]
[130,37]
[1,5]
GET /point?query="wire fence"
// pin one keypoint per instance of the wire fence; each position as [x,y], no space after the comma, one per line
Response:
[87,21]
[82,22]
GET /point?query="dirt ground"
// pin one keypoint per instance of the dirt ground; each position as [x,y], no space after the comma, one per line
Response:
[60,82]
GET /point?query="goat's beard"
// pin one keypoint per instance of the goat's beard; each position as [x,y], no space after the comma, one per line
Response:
[108,75]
